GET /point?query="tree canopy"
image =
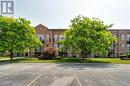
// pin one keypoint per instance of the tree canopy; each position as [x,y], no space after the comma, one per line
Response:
[17,35]
[88,35]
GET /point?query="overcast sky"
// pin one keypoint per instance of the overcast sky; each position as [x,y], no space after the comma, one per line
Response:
[58,13]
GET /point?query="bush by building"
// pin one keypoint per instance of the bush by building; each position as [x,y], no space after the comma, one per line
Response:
[49,53]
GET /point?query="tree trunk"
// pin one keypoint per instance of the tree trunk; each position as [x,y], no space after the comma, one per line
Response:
[82,55]
[108,55]
[11,55]
[11,58]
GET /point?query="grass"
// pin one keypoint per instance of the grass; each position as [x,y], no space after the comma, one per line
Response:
[109,60]
[35,60]
[67,60]
[4,58]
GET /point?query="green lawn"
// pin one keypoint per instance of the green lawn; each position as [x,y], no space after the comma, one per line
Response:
[109,60]
[64,60]
[4,58]
[35,60]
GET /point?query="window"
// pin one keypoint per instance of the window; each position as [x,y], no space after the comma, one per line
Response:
[47,37]
[39,49]
[122,37]
[40,37]
[123,47]
[128,37]
[114,35]
[53,40]
[61,37]
[56,46]
[128,46]
[112,47]
[56,37]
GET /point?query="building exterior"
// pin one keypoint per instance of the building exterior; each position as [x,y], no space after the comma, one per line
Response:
[123,41]
[50,38]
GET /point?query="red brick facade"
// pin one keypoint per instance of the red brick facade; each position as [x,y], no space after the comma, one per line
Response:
[50,37]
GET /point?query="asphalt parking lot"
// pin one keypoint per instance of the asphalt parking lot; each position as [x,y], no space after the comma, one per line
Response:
[64,74]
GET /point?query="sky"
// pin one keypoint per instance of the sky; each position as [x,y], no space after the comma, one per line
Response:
[58,13]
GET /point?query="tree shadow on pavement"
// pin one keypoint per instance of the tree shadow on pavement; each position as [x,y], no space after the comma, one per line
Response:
[83,66]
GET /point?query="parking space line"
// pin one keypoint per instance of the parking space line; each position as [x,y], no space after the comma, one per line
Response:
[29,84]
[77,79]
[90,82]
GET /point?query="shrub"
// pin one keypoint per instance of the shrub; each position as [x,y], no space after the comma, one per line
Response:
[49,53]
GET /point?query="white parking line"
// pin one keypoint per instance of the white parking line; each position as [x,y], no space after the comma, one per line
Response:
[90,82]
[76,77]
[29,84]
[63,81]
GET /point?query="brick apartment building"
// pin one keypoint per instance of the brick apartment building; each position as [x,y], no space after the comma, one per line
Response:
[50,38]
[123,44]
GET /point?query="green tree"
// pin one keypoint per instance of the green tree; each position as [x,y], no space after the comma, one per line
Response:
[88,36]
[17,35]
